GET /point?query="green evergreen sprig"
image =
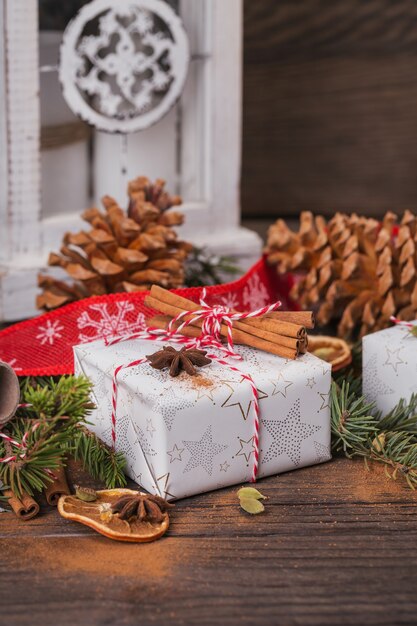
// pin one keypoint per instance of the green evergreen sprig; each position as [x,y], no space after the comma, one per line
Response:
[52,428]
[203,268]
[352,421]
[358,429]
[101,462]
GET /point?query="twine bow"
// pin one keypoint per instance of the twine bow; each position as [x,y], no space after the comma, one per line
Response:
[212,317]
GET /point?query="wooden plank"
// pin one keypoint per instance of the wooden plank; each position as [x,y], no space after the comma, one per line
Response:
[3,143]
[195,104]
[225,123]
[329,107]
[22,102]
[336,546]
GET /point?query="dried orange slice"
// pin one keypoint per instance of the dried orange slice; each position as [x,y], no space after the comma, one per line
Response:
[99,516]
[331,349]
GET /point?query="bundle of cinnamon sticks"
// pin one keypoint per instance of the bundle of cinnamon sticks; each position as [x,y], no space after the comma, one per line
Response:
[282,333]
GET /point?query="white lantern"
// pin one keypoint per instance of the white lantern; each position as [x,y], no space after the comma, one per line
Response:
[196,147]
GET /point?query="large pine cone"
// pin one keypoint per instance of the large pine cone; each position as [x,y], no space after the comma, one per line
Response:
[121,251]
[354,269]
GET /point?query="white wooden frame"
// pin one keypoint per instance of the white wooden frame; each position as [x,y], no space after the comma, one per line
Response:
[212,218]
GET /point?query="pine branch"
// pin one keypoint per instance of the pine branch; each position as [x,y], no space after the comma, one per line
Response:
[357,430]
[98,459]
[67,396]
[403,417]
[203,268]
[398,451]
[41,434]
[352,421]
[43,452]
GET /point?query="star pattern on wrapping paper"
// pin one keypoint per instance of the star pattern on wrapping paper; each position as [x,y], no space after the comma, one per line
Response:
[103,417]
[164,479]
[136,477]
[224,466]
[106,436]
[245,407]
[323,366]
[205,392]
[203,452]
[102,385]
[252,357]
[322,452]
[393,358]
[281,385]
[168,405]
[122,442]
[325,400]
[150,427]
[142,441]
[175,453]
[310,382]
[288,435]
[373,386]
[247,448]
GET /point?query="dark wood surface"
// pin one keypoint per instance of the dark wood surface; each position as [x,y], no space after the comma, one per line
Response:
[337,545]
[329,115]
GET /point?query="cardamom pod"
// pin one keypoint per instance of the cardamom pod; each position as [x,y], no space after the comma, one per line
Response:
[249,499]
[250,492]
[85,494]
[251,505]
[379,442]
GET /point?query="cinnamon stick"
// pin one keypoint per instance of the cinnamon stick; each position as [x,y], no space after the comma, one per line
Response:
[305,318]
[239,337]
[303,347]
[288,342]
[25,507]
[165,301]
[59,487]
[183,304]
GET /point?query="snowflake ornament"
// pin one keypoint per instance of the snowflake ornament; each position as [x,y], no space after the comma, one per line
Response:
[131,71]
[102,324]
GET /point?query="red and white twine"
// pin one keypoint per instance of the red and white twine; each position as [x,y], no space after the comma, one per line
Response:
[212,318]
[22,447]
[399,322]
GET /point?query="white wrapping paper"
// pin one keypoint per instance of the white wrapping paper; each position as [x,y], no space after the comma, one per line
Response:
[186,435]
[389,359]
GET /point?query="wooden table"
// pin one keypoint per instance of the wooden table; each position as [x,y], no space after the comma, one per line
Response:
[337,545]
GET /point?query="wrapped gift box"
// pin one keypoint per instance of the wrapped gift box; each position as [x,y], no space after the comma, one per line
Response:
[191,434]
[389,359]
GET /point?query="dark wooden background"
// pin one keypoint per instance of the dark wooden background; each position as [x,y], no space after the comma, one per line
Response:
[336,546]
[330,106]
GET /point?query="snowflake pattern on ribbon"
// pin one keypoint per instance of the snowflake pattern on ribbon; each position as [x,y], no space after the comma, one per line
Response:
[102,324]
[12,363]
[50,332]
[255,294]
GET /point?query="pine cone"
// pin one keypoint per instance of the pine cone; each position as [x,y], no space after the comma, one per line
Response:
[121,251]
[353,269]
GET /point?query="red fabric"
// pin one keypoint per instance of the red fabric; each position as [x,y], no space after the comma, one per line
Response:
[42,346]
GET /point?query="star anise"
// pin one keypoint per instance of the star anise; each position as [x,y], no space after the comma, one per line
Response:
[177,360]
[142,506]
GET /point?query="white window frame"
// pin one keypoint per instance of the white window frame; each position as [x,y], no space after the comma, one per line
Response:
[215,30]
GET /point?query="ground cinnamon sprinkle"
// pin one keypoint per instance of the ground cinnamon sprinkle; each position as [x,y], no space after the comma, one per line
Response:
[97,556]
[201,381]
[196,381]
